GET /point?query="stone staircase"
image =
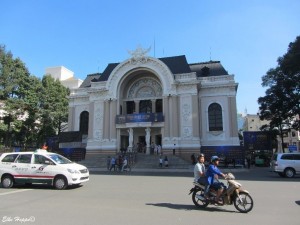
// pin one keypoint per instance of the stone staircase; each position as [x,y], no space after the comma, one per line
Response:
[152,162]
[142,161]
[95,161]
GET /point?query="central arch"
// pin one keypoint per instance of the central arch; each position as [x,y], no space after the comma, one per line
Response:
[150,65]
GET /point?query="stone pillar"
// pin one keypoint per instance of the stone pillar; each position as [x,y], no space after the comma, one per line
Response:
[124,108]
[137,106]
[153,105]
[112,122]
[167,117]
[106,128]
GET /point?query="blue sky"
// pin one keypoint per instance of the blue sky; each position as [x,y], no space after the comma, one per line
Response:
[85,35]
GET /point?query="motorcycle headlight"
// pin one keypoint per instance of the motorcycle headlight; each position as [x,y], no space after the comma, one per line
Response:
[72,171]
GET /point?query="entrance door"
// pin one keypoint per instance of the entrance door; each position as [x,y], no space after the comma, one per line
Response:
[142,144]
[124,142]
[158,139]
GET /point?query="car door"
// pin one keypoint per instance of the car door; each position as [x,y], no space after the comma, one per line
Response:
[42,169]
[22,168]
[297,162]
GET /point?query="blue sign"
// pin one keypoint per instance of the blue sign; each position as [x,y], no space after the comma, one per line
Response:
[293,148]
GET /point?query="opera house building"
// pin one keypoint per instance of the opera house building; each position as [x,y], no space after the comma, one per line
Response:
[145,101]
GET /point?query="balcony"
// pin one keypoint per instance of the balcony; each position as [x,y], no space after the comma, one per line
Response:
[139,117]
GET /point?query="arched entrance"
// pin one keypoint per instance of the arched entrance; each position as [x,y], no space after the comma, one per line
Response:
[140,99]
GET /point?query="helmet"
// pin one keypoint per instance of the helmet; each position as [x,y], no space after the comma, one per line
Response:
[214,158]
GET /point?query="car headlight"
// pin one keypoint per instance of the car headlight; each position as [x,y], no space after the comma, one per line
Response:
[73,171]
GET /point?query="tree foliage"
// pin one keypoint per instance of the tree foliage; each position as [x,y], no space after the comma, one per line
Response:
[281,104]
[33,109]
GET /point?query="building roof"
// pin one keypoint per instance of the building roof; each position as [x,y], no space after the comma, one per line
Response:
[110,67]
[207,69]
[88,79]
[177,65]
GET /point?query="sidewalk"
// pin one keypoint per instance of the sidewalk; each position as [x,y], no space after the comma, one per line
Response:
[170,170]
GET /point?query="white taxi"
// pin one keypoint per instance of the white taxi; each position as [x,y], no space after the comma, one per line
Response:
[40,166]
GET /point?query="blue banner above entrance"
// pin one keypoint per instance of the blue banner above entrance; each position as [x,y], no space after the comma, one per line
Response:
[139,117]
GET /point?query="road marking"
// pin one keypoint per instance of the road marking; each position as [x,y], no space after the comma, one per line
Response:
[12,192]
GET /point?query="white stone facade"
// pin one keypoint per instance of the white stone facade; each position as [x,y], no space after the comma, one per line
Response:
[141,89]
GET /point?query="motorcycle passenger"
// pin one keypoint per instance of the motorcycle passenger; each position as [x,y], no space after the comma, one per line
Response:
[199,170]
[211,172]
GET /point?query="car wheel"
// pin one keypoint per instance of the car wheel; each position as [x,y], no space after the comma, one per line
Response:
[60,183]
[7,181]
[289,172]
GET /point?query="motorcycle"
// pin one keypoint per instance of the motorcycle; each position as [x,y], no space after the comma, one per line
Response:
[232,194]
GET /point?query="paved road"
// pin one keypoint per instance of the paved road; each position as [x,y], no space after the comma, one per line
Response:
[149,198]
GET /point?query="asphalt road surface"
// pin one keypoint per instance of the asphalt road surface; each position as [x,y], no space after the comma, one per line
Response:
[149,199]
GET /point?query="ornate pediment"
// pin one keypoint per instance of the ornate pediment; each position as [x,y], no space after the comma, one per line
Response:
[139,55]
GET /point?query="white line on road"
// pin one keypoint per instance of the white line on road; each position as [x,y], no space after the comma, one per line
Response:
[12,192]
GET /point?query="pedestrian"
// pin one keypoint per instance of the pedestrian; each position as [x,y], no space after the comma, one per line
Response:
[174,149]
[152,148]
[125,162]
[193,158]
[108,162]
[160,161]
[166,161]
[233,162]
[112,164]
[158,149]
[249,161]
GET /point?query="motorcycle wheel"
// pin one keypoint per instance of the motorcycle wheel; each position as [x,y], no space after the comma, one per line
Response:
[199,203]
[243,203]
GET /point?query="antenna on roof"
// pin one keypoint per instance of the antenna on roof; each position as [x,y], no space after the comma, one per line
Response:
[154,47]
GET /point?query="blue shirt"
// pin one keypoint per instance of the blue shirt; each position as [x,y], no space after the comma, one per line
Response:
[211,172]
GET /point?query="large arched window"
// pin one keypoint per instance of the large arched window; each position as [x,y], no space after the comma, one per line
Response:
[215,119]
[84,122]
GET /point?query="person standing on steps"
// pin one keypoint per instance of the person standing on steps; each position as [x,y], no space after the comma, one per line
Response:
[166,161]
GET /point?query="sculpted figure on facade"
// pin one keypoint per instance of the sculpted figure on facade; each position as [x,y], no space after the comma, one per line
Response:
[148,136]
[139,55]
[130,132]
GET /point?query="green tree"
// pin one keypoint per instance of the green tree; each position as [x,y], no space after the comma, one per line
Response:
[34,109]
[280,105]
[13,76]
[54,106]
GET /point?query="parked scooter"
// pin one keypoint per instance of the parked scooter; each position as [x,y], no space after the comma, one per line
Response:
[233,194]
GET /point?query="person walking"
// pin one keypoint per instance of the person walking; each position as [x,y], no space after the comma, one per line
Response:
[112,164]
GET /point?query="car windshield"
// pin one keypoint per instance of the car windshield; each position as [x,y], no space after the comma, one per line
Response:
[59,159]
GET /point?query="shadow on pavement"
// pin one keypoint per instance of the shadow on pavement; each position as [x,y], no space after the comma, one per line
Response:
[189,207]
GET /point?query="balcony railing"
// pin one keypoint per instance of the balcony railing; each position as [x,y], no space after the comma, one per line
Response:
[139,117]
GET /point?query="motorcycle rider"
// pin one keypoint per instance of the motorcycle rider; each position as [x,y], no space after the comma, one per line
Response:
[199,170]
[211,173]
